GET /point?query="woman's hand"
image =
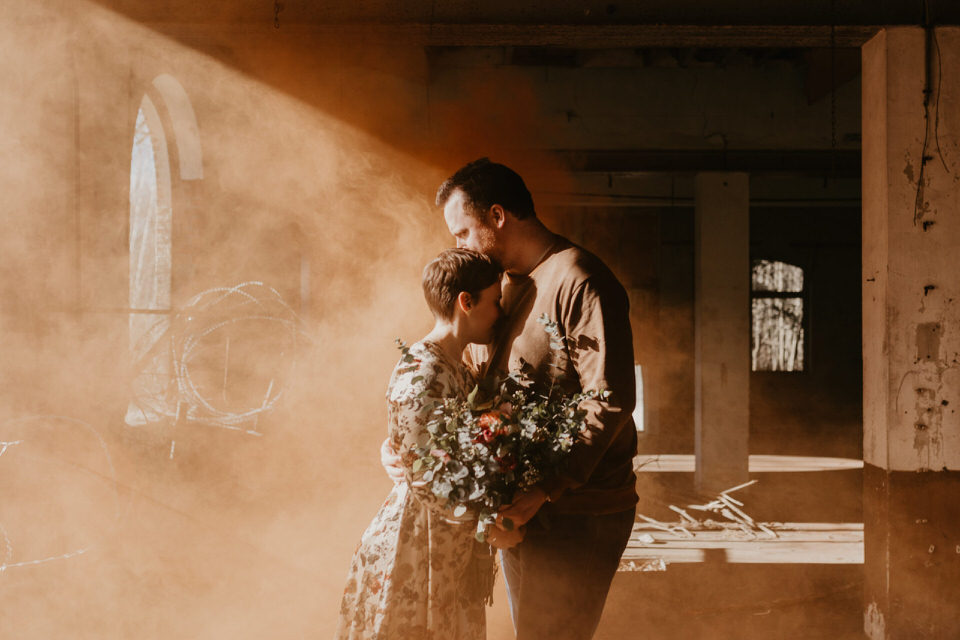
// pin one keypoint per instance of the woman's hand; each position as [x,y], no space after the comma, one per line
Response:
[503,539]
[391,462]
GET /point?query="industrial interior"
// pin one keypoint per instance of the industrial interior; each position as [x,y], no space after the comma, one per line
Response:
[215,219]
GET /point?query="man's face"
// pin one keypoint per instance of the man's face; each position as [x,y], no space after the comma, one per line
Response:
[469,231]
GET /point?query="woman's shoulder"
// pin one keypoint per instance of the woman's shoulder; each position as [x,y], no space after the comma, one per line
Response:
[422,367]
[421,354]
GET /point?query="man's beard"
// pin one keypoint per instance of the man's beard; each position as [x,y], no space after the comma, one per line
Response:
[487,244]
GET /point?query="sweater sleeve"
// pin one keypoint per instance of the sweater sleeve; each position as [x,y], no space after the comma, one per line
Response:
[596,323]
[416,390]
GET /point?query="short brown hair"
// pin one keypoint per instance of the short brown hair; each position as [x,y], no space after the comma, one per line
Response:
[485,184]
[454,271]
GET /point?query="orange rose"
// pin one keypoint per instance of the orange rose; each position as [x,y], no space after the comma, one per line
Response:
[490,420]
[490,425]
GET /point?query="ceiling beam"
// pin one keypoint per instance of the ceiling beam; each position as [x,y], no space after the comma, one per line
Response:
[548,35]
[618,36]
[842,163]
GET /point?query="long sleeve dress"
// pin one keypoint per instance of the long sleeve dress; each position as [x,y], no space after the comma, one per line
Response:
[411,577]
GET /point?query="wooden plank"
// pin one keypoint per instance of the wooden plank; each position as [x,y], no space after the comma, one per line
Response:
[684,463]
[756,553]
[797,543]
[579,36]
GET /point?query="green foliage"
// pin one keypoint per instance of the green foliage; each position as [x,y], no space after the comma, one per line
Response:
[506,436]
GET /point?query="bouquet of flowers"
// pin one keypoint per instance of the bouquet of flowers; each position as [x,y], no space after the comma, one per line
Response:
[506,436]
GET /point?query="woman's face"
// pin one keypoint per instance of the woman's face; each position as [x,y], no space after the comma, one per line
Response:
[484,314]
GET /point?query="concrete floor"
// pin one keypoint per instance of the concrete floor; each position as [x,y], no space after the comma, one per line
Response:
[719,601]
[738,595]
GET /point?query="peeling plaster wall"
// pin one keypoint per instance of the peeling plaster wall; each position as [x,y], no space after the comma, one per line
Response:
[911,334]
[911,237]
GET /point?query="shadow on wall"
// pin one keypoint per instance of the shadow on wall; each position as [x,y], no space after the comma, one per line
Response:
[208,518]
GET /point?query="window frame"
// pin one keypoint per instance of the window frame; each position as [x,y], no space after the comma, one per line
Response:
[805,323]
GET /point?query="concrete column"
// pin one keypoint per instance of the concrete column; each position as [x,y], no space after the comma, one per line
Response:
[722,330]
[911,335]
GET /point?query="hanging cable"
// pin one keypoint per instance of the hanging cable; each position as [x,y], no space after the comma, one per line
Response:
[833,90]
[936,106]
[931,44]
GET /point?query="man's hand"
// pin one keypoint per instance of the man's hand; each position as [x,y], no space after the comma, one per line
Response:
[502,539]
[391,462]
[523,508]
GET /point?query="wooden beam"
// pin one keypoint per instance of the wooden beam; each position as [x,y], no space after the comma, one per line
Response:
[608,36]
[842,163]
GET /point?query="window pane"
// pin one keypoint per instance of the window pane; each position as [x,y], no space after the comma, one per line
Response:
[150,267]
[149,226]
[151,362]
[777,341]
[769,275]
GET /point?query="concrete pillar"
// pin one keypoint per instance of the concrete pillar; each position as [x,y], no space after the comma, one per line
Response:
[911,336]
[722,330]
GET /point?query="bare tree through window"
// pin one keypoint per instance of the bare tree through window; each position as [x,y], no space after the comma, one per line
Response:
[777,341]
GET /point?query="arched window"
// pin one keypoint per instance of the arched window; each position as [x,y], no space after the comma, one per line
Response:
[150,244]
[150,222]
[777,340]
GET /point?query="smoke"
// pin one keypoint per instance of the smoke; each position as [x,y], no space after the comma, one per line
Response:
[175,527]
[319,163]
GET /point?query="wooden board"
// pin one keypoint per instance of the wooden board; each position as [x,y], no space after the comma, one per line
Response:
[797,543]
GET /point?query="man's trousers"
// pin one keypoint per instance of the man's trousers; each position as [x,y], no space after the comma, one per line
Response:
[559,576]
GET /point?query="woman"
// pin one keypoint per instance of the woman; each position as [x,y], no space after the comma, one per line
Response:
[418,570]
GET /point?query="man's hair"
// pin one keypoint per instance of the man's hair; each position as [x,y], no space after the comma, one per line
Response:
[454,271]
[485,184]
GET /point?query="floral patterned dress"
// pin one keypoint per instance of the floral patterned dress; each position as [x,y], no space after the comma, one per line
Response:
[411,576]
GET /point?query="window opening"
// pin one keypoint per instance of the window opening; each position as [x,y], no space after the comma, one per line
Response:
[777,340]
[150,256]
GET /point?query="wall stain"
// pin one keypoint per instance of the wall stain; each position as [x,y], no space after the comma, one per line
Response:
[873,623]
[928,341]
[928,385]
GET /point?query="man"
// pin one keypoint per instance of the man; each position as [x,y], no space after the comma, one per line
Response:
[558,576]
